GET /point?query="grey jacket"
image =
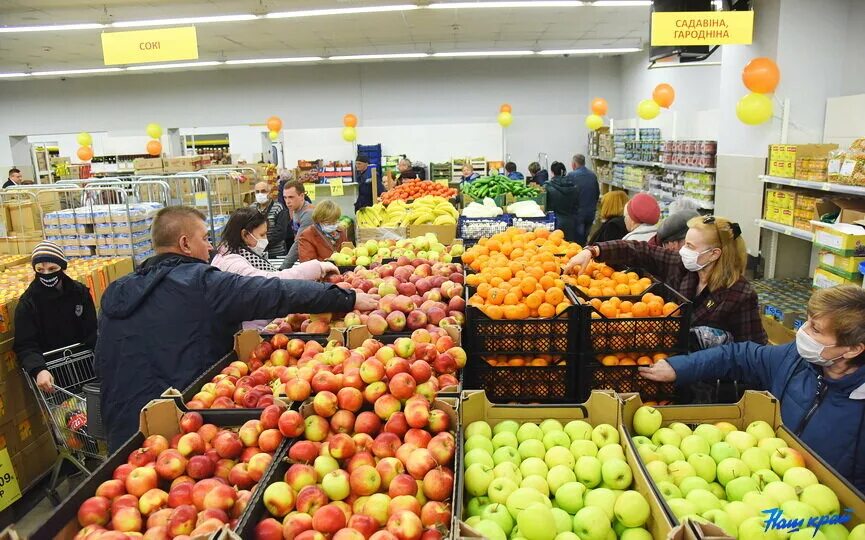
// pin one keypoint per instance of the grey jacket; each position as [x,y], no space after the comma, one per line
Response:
[298,222]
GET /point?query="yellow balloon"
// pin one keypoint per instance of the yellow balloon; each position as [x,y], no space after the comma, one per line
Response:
[154,130]
[84,139]
[648,109]
[273,135]
[593,122]
[754,109]
[505,119]
[349,134]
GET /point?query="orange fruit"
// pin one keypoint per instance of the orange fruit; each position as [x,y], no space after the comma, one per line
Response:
[546,282]
[625,307]
[657,357]
[596,303]
[523,311]
[669,308]
[623,290]
[640,309]
[484,290]
[494,312]
[535,299]
[516,361]
[585,281]
[511,299]
[620,278]
[609,311]
[546,310]
[610,360]
[656,309]
[644,361]
[529,285]
[608,291]
[627,362]
[562,307]
[496,296]
[538,362]
[594,291]
[554,296]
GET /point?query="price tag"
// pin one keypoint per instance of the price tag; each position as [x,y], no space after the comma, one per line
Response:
[9,489]
[826,187]
[311,192]
[335,187]
[443,181]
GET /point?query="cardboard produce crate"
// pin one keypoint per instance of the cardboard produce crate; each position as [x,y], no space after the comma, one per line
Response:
[381,233]
[600,408]
[753,406]
[182,164]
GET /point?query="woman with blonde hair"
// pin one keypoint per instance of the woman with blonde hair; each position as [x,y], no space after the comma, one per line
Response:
[321,240]
[612,217]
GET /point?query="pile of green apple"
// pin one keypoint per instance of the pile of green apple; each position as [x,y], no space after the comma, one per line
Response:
[548,482]
[422,247]
[727,476]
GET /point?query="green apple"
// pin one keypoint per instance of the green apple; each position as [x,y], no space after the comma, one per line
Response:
[717,490]
[857,532]
[682,429]
[756,458]
[532,448]
[647,420]
[741,440]
[738,512]
[473,520]
[753,529]
[568,535]
[669,490]
[559,455]
[765,476]
[522,498]
[808,533]
[703,500]
[479,441]
[771,444]
[479,427]
[732,468]
[478,478]
[760,430]
[611,451]
[800,478]
[605,434]
[569,497]
[679,470]
[723,450]
[681,507]
[508,470]
[529,431]
[666,435]
[640,440]
[507,454]
[738,487]
[798,510]
[551,424]
[783,459]
[726,428]
[476,505]
[635,534]
[694,444]
[498,514]
[583,447]
[616,473]
[592,523]
[588,471]
[631,509]
[538,483]
[691,483]
[835,532]
[556,438]
[505,439]
[781,492]
[759,502]
[579,430]
[602,498]
[648,453]
[535,522]
[489,529]
[704,465]
[534,466]
[500,489]
[479,455]
[670,453]
[509,426]
[711,434]
[659,471]
[558,476]
[564,521]
[821,498]
[722,520]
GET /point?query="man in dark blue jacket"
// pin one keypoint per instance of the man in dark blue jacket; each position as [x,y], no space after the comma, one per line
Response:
[819,379]
[164,325]
[363,177]
[587,199]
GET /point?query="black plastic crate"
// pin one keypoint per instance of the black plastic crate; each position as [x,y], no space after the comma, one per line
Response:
[621,379]
[524,384]
[529,224]
[475,228]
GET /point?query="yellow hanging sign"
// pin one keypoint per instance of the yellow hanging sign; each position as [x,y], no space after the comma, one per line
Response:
[10,491]
[153,45]
[311,192]
[702,28]
[335,187]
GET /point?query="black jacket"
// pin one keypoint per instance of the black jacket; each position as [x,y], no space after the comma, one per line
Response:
[590,192]
[168,322]
[541,178]
[562,198]
[49,318]
[612,229]
[277,227]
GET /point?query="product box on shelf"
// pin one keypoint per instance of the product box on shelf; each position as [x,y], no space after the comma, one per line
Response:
[182,164]
[600,408]
[823,279]
[847,267]
[783,160]
[845,239]
[781,198]
[147,166]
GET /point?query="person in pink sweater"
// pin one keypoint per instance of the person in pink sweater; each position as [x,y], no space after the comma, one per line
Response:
[242,251]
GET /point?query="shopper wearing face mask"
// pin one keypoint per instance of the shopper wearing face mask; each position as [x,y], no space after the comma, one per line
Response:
[325,237]
[819,379]
[277,220]
[243,247]
[54,312]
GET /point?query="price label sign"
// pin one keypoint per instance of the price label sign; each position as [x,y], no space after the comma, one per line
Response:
[10,491]
[311,192]
[335,187]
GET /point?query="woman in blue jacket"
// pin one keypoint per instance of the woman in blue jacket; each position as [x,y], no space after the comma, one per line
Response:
[819,379]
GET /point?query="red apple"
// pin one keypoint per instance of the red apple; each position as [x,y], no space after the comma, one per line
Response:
[385,445]
[190,444]
[342,421]
[438,484]
[257,466]
[269,440]
[124,501]
[180,495]
[191,422]
[300,475]
[363,524]
[141,480]
[152,501]
[396,424]
[365,480]
[420,462]
[303,451]
[325,404]
[182,521]
[387,405]
[417,437]
[402,484]
[122,471]
[405,525]
[127,520]
[374,391]
[309,499]
[268,529]
[435,514]
[157,442]
[439,421]
[111,489]
[328,519]
[228,445]
[141,457]
[367,422]
[402,385]
[94,511]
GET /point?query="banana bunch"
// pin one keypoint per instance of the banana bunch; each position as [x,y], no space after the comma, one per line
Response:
[425,210]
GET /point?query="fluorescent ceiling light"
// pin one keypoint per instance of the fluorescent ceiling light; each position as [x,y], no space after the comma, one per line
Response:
[340,11]
[512,4]
[482,53]
[13,75]
[379,56]
[77,71]
[185,20]
[591,51]
[274,60]
[622,3]
[174,66]
[51,28]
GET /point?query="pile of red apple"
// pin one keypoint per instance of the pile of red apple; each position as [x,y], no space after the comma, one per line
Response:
[376,459]
[415,294]
[193,485]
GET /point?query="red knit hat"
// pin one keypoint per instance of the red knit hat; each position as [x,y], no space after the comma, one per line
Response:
[643,208]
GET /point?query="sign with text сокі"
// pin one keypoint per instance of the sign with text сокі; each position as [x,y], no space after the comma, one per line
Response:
[154,45]
[702,28]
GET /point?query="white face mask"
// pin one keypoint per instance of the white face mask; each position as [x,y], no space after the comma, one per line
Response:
[330,228]
[261,198]
[260,246]
[811,350]
[690,258]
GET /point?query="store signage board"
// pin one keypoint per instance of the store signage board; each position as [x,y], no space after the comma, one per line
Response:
[152,45]
[702,28]
[9,489]
[335,187]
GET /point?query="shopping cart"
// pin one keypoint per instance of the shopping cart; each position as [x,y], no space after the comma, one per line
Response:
[65,409]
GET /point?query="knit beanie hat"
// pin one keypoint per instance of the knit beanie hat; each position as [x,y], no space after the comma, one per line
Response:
[643,208]
[49,252]
[675,226]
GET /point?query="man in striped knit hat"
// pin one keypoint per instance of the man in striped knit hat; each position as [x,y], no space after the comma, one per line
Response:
[54,312]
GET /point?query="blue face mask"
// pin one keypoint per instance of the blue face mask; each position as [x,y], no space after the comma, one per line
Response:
[330,229]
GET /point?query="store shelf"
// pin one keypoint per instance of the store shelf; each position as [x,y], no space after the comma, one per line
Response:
[599,158]
[638,163]
[686,168]
[683,168]
[819,186]
[786,230]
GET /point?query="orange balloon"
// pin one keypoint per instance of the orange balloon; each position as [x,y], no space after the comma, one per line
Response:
[274,123]
[505,108]
[664,95]
[761,75]
[154,148]
[599,106]
[349,120]
[85,153]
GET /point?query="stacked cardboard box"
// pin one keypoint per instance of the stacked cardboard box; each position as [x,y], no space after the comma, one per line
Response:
[805,211]
[803,161]
[148,166]
[183,164]
[780,206]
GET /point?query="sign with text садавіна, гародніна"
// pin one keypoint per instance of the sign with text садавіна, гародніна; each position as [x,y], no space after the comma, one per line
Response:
[156,45]
[702,28]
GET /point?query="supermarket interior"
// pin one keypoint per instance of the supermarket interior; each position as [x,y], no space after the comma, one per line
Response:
[432,270]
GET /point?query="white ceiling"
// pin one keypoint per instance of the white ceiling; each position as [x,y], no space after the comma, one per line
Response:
[422,30]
